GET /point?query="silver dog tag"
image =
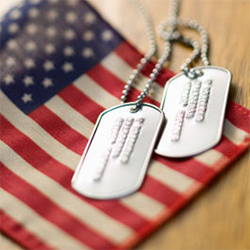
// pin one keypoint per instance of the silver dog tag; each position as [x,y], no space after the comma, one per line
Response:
[115,160]
[195,111]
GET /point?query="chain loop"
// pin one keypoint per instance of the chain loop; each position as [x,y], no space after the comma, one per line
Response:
[176,36]
[168,31]
[194,25]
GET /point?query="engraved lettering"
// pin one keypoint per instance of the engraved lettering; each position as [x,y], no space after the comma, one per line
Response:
[115,130]
[191,109]
[178,123]
[122,136]
[102,165]
[203,101]
[132,138]
[185,94]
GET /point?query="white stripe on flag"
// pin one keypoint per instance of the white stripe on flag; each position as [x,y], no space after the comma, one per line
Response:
[170,177]
[46,231]
[37,134]
[144,205]
[122,70]
[89,215]
[210,157]
[234,134]
[95,92]
[66,112]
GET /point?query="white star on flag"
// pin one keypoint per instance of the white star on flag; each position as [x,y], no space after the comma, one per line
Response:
[30,46]
[15,14]
[47,82]
[107,35]
[33,13]
[67,67]
[89,18]
[88,36]
[10,61]
[9,79]
[87,53]
[49,48]
[68,51]
[69,34]
[28,80]
[27,97]
[29,63]
[48,65]
[31,29]
[12,44]
[13,28]
[52,15]
[70,17]
[51,31]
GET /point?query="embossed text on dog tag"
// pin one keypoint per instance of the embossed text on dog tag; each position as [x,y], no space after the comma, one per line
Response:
[115,160]
[194,110]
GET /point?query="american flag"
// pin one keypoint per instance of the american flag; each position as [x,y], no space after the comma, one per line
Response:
[61,65]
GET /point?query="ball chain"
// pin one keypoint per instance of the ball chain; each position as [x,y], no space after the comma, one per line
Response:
[168,31]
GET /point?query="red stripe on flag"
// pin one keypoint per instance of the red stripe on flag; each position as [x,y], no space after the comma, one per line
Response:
[22,236]
[129,54]
[62,174]
[239,116]
[189,167]
[59,129]
[132,57]
[229,149]
[28,149]
[80,102]
[161,192]
[34,198]
[114,85]
[107,80]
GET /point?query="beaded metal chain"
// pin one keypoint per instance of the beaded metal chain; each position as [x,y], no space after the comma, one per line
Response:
[168,31]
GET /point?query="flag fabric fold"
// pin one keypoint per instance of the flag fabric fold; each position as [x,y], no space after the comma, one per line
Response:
[61,66]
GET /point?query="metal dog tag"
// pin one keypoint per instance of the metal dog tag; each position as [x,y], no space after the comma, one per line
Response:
[115,160]
[194,111]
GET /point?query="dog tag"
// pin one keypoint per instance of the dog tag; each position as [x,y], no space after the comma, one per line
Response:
[194,110]
[115,160]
